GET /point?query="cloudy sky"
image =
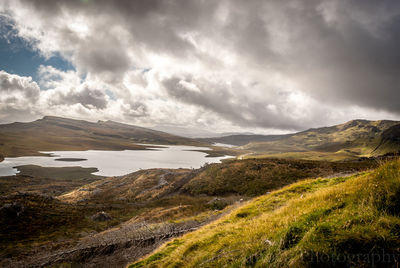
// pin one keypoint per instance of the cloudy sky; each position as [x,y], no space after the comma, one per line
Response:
[266,66]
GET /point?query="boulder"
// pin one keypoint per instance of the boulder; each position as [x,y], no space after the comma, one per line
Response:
[101,216]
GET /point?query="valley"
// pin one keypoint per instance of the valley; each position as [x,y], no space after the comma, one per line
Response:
[159,200]
[199,134]
[64,215]
[63,134]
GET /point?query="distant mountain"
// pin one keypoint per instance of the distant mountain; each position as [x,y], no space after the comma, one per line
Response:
[56,133]
[243,139]
[354,138]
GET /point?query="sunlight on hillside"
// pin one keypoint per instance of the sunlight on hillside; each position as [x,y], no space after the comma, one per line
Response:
[304,224]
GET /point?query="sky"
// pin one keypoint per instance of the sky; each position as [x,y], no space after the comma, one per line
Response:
[261,66]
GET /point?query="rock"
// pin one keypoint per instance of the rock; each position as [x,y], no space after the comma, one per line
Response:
[12,210]
[268,242]
[101,216]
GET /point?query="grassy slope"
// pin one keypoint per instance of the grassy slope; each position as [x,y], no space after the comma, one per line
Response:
[311,155]
[390,141]
[251,177]
[350,140]
[248,177]
[154,192]
[154,196]
[313,223]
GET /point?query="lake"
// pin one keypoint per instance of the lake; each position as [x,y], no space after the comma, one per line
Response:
[115,163]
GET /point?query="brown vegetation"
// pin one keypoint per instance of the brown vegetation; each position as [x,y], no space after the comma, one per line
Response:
[61,134]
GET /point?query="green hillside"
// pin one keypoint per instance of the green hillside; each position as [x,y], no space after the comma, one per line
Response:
[245,178]
[327,222]
[252,177]
[390,141]
[357,138]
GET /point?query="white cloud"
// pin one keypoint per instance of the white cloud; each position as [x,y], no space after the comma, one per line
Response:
[18,96]
[223,65]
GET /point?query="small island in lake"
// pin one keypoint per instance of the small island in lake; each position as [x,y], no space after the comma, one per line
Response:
[70,159]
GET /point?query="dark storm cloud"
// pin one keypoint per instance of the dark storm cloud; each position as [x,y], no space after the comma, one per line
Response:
[341,53]
[105,58]
[220,98]
[154,25]
[353,60]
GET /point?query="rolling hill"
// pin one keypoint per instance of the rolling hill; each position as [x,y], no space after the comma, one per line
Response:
[250,177]
[356,138]
[328,222]
[155,200]
[390,141]
[55,133]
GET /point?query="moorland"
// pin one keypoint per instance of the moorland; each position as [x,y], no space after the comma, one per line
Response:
[331,192]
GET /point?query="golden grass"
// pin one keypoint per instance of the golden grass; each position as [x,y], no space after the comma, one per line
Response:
[311,155]
[337,218]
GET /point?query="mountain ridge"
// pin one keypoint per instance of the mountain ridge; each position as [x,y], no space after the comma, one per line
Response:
[355,138]
[350,140]
[52,133]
